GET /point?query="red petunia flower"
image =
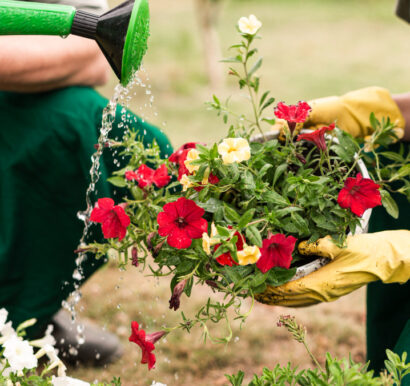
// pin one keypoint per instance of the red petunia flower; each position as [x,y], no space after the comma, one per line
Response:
[359,194]
[226,258]
[292,113]
[181,221]
[317,136]
[276,251]
[146,343]
[113,218]
[145,176]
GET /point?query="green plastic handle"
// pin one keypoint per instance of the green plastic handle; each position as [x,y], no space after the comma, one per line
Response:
[27,18]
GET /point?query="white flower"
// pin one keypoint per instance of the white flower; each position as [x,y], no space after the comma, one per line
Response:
[68,381]
[186,183]
[7,332]
[234,150]
[3,318]
[192,155]
[47,340]
[158,384]
[19,354]
[249,25]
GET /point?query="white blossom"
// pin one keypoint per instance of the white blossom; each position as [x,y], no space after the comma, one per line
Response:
[47,340]
[3,318]
[234,150]
[158,384]
[19,354]
[249,25]
[7,332]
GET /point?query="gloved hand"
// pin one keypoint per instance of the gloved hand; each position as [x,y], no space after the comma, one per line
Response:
[351,111]
[368,257]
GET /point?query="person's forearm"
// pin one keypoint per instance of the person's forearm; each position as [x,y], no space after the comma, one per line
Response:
[403,102]
[42,63]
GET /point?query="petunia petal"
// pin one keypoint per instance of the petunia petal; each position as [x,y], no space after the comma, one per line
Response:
[179,239]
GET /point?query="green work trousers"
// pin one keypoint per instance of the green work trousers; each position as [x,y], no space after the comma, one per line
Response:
[46,143]
[388,305]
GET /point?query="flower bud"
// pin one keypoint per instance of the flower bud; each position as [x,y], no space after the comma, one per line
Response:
[174,302]
[134,257]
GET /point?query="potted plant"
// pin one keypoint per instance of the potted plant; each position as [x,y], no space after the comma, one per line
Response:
[230,215]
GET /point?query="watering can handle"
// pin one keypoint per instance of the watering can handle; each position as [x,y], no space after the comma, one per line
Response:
[27,18]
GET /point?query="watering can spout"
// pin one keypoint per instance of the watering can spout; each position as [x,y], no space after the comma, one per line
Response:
[121,33]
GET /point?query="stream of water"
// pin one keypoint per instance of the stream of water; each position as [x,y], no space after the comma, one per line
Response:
[122,97]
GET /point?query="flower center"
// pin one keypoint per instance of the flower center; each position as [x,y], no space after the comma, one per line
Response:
[181,223]
[354,190]
[273,246]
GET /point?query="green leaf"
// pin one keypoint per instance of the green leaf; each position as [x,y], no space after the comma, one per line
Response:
[254,236]
[248,181]
[389,204]
[203,195]
[278,276]
[404,171]
[300,223]
[236,59]
[258,279]
[246,218]
[231,215]
[232,274]
[263,97]
[278,172]
[212,205]
[263,170]
[373,121]
[117,181]
[222,231]
[283,212]
[271,196]
[393,156]
[255,67]
[268,103]
[269,121]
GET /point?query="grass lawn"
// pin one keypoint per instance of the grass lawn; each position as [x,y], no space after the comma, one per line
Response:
[311,48]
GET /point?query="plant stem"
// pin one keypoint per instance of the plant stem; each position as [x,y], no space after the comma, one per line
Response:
[357,157]
[255,110]
[257,221]
[312,356]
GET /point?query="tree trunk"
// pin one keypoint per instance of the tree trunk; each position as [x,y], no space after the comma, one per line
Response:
[207,11]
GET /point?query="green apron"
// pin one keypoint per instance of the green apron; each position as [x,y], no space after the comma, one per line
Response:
[388,305]
[46,141]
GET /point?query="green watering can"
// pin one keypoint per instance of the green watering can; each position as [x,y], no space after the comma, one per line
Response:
[121,33]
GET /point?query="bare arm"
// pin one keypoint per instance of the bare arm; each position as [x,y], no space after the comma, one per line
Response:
[42,63]
[403,101]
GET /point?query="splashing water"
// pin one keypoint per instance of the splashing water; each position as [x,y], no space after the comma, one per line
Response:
[122,96]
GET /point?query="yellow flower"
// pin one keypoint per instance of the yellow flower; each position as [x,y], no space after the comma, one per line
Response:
[186,183]
[208,242]
[249,25]
[192,155]
[249,255]
[234,150]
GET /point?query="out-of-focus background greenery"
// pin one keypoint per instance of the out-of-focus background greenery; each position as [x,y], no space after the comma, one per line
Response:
[311,48]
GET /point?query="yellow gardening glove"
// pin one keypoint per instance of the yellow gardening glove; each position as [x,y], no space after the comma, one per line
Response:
[368,257]
[351,111]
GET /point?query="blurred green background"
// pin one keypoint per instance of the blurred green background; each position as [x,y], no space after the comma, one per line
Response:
[311,48]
